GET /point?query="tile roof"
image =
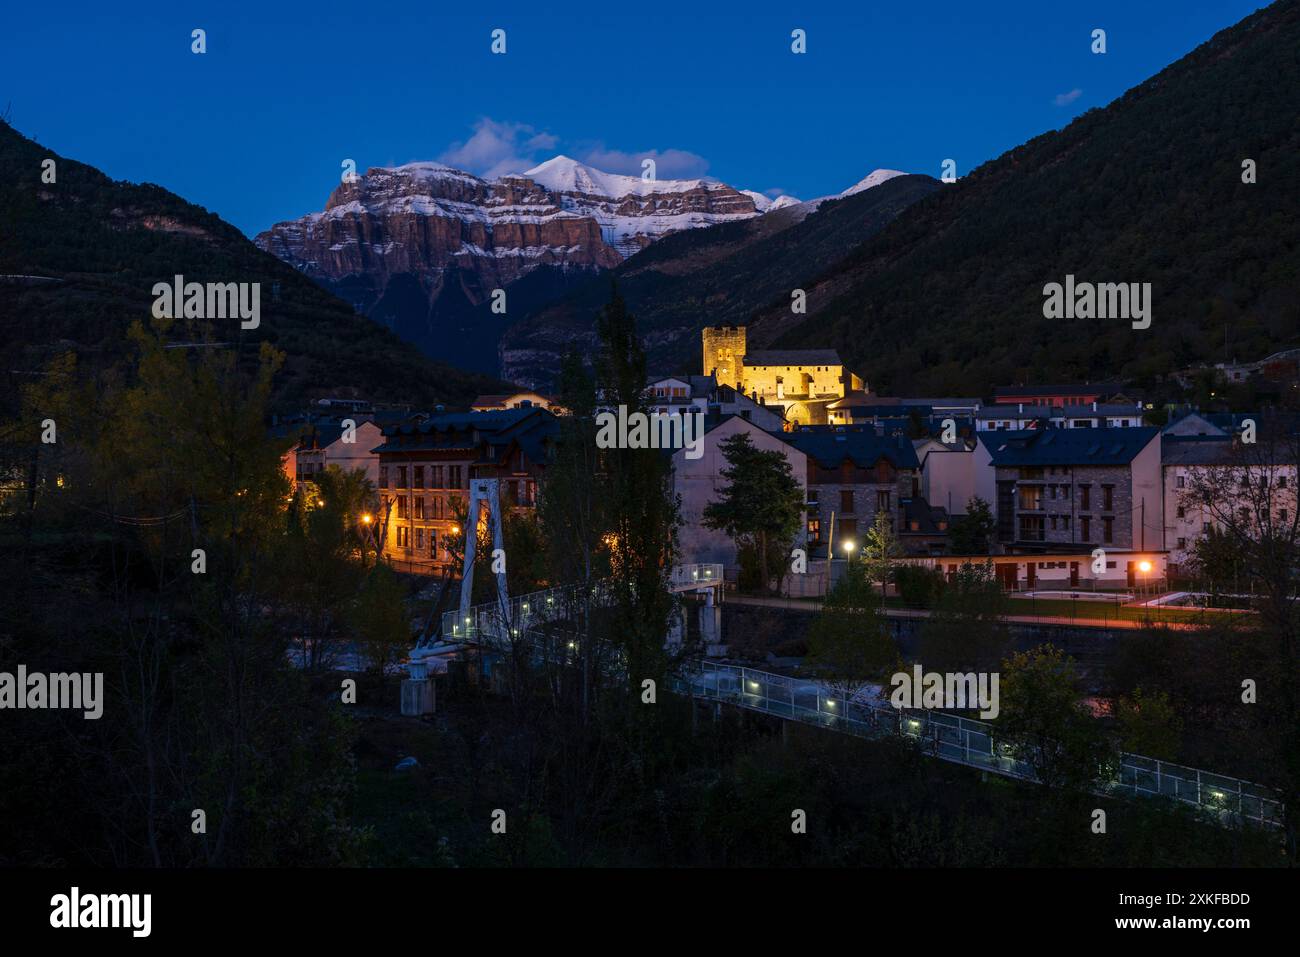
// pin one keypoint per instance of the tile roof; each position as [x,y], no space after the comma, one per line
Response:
[1067,446]
[831,445]
[793,357]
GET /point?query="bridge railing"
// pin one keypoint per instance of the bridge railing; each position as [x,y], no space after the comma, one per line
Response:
[700,573]
[962,740]
[493,621]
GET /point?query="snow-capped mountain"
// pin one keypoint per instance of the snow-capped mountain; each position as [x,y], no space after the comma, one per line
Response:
[418,246]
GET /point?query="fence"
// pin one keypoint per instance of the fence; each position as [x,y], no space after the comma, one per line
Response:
[965,740]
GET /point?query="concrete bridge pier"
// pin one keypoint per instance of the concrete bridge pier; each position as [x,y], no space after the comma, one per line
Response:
[710,619]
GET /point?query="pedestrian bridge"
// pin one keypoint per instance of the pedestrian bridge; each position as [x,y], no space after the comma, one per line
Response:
[963,740]
[500,623]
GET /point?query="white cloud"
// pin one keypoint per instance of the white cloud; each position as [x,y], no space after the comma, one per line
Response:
[498,148]
[1065,99]
[669,164]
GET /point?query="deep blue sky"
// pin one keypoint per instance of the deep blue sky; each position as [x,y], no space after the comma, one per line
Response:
[256,128]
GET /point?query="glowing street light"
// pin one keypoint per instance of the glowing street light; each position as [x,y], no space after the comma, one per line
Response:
[367,518]
[1144,567]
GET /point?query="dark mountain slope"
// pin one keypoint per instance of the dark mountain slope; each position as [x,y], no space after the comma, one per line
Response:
[949,298]
[109,242]
[723,274]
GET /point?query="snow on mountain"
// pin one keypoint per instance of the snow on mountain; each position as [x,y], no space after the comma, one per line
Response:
[874,178]
[566,175]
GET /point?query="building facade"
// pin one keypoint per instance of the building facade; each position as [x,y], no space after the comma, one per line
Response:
[803,382]
[425,469]
[1073,490]
[852,475]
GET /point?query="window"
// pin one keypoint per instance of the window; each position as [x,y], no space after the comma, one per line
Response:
[813,496]
[848,528]
[453,477]
[401,506]
[417,476]
[435,476]
[1108,530]
[403,537]
[419,539]
[882,501]
[383,476]
[401,476]
[1180,482]
[846,501]
[433,543]
[1182,512]
[1031,498]
[1182,543]
[1282,516]
[1085,500]
[814,529]
[1108,499]
[419,507]
[1031,528]
[1281,481]
[1085,528]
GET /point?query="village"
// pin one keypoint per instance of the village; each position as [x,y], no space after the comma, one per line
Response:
[1060,487]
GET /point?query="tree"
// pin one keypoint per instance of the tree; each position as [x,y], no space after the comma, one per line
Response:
[1251,500]
[849,644]
[967,627]
[1218,561]
[1149,725]
[762,505]
[881,550]
[380,620]
[971,533]
[641,509]
[1045,723]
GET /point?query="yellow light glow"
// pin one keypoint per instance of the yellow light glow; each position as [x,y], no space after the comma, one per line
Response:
[455,529]
[1144,567]
[848,546]
[319,501]
[366,518]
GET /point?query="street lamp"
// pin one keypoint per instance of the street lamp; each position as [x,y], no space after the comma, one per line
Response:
[848,547]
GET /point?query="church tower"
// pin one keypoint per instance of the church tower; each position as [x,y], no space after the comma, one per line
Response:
[724,354]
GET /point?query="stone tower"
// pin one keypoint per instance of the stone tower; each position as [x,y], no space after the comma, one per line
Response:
[724,354]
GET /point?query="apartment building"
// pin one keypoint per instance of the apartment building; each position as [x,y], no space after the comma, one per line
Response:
[425,468]
[1073,489]
[853,473]
[1242,482]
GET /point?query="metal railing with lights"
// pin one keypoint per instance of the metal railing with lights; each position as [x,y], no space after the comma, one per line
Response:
[498,623]
[964,740]
[695,575]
